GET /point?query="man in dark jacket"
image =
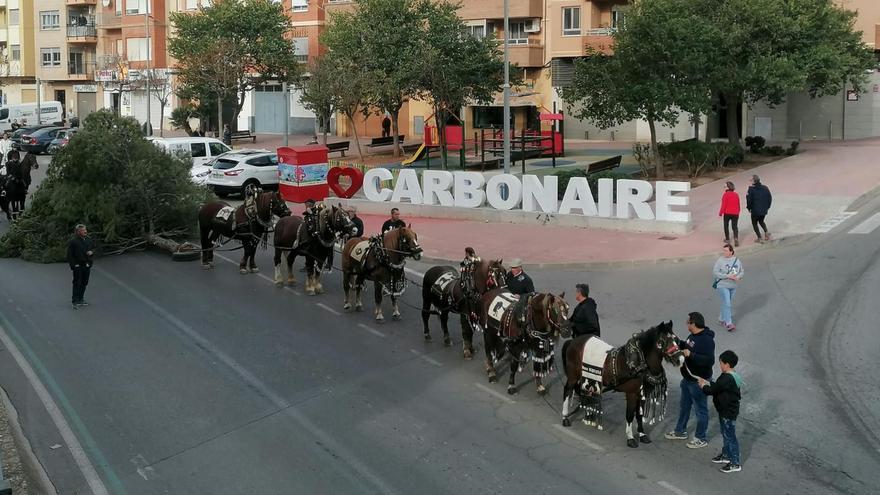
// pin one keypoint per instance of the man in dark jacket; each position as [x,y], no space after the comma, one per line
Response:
[517,281]
[758,201]
[699,353]
[357,221]
[394,222]
[80,250]
[584,319]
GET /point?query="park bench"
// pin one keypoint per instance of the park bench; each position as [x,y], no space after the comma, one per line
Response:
[603,165]
[246,134]
[341,146]
[384,141]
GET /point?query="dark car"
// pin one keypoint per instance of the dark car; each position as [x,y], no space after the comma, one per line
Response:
[61,139]
[38,141]
[21,131]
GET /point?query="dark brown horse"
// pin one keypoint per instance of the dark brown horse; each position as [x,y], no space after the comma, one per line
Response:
[635,369]
[527,327]
[293,238]
[382,259]
[445,290]
[247,223]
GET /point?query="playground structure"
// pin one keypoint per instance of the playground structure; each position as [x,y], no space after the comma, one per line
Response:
[525,144]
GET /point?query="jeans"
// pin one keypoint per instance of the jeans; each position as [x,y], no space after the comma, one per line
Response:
[692,395]
[730,449]
[80,281]
[726,295]
[728,220]
[759,220]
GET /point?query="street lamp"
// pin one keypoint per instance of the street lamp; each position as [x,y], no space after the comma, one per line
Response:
[149,124]
[506,88]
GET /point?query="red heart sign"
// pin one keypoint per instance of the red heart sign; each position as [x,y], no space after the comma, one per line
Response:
[355,175]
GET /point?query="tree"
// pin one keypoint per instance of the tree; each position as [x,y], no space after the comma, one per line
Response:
[227,49]
[319,90]
[110,177]
[160,87]
[381,38]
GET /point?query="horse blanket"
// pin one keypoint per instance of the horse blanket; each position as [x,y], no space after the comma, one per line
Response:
[225,213]
[443,282]
[500,304]
[360,250]
[593,359]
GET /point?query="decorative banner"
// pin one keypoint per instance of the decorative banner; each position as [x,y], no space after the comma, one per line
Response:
[355,175]
[303,175]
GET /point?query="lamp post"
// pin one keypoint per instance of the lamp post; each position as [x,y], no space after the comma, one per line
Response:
[149,125]
[506,88]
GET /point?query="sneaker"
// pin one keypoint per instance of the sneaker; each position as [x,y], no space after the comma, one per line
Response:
[731,468]
[736,242]
[674,435]
[720,459]
[721,323]
[74,305]
[766,238]
[731,327]
[82,304]
[697,444]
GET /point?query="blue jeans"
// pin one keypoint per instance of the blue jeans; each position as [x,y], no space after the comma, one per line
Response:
[691,395]
[731,444]
[726,296]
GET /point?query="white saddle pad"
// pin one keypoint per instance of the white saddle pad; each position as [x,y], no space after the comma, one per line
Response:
[444,280]
[500,304]
[360,250]
[225,213]
[593,359]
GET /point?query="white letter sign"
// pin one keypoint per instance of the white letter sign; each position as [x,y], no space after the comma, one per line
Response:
[373,184]
[578,195]
[546,194]
[635,193]
[407,187]
[435,186]
[493,191]
[469,189]
[665,201]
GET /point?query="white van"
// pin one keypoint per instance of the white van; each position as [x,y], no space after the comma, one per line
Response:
[200,149]
[51,112]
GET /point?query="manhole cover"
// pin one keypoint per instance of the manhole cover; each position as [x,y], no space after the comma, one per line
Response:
[668,238]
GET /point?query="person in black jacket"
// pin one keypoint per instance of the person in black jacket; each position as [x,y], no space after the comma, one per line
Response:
[394,222]
[517,281]
[726,396]
[80,250]
[699,356]
[758,201]
[584,319]
[357,221]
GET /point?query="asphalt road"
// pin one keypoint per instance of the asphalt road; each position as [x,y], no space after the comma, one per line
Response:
[178,380]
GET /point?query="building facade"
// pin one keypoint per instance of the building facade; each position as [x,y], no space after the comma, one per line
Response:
[17,56]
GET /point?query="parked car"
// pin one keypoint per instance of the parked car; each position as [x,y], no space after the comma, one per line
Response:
[37,141]
[61,140]
[200,149]
[233,172]
[21,131]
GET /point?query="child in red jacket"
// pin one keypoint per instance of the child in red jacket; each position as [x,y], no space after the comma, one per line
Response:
[730,211]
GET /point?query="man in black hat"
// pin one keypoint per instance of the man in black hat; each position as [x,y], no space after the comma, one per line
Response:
[584,318]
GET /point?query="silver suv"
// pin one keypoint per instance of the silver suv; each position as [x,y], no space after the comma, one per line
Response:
[232,172]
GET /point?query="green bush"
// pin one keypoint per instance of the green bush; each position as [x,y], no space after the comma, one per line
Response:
[755,143]
[774,150]
[116,182]
[792,150]
[725,154]
[694,155]
[593,180]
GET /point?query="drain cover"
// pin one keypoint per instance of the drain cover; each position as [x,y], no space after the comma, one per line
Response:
[668,238]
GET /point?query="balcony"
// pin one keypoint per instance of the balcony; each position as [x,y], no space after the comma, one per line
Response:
[82,30]
[599,40]
[81,71]
[529,54]
[339,5]
[494,9]
[80,2]
[108,21]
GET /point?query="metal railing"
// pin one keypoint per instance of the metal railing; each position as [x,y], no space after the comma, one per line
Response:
[81,68]
[86,31]
[606,31]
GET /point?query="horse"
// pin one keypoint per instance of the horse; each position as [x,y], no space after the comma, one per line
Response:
[293,237]
[249,223]
[381,259]
[445,290]
[527,327]
[636,369]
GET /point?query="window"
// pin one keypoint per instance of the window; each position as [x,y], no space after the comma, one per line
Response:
[192,4]
[477,31]
[300,5]
[118,7]
[4,114]
[137,6]
[217,148]
[14,17]
[16,52]
[136,49]
[50,57]
[518,35]
[301,49]
[50,19]
[618,18]
[120,49]
[198,150]
[571,21]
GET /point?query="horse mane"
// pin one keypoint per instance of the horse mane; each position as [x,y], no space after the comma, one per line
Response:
[648,338]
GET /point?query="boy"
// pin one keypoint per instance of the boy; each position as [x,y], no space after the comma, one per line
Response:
[725,394]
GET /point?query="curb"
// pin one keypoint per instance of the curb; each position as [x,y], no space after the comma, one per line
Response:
[597,265]
[32,468]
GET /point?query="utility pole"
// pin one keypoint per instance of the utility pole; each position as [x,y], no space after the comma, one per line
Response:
[39,103]
[506,88]
[149,127]
[286,113]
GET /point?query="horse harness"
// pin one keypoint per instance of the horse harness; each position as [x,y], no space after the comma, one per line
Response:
[398,283]
[542,353]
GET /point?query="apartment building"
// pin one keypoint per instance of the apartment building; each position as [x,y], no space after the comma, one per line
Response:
[17,59]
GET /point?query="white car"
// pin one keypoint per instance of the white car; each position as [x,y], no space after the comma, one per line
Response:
[199,149]
[234,171]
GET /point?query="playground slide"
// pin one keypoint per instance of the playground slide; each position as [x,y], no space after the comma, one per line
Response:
[418,155]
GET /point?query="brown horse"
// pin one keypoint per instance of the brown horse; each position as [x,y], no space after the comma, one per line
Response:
[636,369]
[445,290]
[293,238]
[527,327]
[248,224]
[382,259]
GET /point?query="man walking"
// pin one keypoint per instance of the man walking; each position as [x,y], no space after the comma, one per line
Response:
[518,282]
[758,201]
[699,356]
[80,250]
[584,318]
[394,222]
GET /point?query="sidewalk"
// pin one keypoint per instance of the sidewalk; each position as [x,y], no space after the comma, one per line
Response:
[808,189]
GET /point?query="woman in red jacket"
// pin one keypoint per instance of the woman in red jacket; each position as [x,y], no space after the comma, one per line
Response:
[730,212]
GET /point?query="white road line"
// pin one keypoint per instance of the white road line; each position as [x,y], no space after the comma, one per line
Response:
[372,330]
[494,393]
[832,222]
[143,467]
[261,275]
[79,455]
[414,273]
[867,226]
[328,309]
[672,488]
[426,358]
[579,438]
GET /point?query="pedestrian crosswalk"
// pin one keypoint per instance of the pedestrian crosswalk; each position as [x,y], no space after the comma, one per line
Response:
[832,222]
[867,226]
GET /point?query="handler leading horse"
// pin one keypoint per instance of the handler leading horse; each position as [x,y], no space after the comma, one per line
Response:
[249,223]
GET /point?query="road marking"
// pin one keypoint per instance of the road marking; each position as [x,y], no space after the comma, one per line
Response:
[261,275]
[328,308]
[832,222]
[867,226]
[579,438]
[672,488]
[414,273]
[494,393]
[426,358]
[372,330]
[143,467]
[325,442]
[76,450]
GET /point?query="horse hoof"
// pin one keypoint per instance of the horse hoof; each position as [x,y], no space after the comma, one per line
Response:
[206,266]
[310,292]
[542,390]
[346,307]
[599,427]
[493,379]
[428,338]
[566,422]
[395,317]
[511,390]
[319,290]
[632,443]
[644,439]
[291,281]
[279,283]
[379,317]
[242,271]
[359,308]
[255,270]
[447,342]
[468,354]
